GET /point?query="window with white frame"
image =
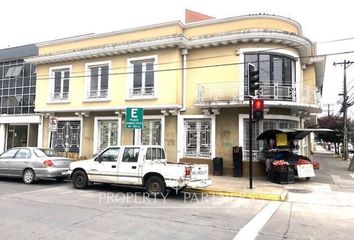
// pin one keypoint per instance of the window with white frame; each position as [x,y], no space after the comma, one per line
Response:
[97,83]
[151,132]
[60,83]
[143,80]
[107,133]
[198,137]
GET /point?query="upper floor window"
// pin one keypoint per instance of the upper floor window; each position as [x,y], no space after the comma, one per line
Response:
[143,79]
[60,84]
[17,87]
[97,82]
[276,74]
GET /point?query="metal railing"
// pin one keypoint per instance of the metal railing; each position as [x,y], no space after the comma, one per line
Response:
[142,92]
[97,94]
[220,93]
[59,96]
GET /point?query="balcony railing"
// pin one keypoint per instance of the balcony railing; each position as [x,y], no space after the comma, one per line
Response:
[230,93]
[142,92]
[97,94]
[59,96]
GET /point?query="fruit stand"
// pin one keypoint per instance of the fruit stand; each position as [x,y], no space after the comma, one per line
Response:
[282,163]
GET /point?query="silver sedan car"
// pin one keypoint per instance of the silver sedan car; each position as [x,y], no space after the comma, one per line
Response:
[33,163]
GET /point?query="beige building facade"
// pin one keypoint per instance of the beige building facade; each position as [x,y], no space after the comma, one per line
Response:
[188,78]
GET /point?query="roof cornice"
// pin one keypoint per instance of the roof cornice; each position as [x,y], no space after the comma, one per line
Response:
[246,17]
[171,23]
[266,36]
[108,34]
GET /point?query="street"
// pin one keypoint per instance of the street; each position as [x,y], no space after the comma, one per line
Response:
[51,210]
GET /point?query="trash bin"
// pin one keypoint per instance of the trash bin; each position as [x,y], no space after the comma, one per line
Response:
[237,161]
[218,166]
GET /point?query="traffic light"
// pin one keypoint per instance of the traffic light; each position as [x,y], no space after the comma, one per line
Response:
[253,79]
[258,109]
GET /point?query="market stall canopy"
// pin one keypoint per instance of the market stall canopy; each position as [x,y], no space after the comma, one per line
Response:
[292,133]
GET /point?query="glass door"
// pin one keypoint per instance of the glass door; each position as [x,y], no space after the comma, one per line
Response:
[17,136]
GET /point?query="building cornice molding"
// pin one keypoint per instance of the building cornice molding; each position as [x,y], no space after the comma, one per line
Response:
[108,34]
[246,17]
[266,36]
[171,23]
[102,109]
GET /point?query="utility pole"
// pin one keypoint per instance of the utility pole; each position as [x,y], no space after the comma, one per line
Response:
[345,64]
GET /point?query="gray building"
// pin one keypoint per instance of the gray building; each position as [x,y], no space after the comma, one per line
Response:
[18,121]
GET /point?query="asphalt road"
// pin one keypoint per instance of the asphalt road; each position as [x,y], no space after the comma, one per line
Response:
[50,210]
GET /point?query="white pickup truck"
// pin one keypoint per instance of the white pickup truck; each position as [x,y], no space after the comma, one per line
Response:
[144,166]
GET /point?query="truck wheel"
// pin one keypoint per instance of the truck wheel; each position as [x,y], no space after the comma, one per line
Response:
[80,180]
[155,186]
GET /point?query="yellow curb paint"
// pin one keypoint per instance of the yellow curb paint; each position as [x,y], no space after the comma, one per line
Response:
[252,195]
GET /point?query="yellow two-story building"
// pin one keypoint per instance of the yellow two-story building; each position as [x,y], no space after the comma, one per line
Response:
[188,78]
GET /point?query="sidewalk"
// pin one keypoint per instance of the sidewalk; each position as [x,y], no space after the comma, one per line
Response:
[333,185]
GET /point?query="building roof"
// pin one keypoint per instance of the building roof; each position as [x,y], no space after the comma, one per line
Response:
[19,52]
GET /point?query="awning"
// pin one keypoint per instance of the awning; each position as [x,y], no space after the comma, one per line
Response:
[293,134]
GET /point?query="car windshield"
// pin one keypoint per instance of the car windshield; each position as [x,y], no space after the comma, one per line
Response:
[46,153]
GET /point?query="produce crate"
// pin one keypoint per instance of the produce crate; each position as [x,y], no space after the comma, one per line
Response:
[282,174]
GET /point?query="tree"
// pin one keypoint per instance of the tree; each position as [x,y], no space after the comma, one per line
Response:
[334,123]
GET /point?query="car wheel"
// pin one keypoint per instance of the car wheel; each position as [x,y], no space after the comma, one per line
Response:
[155,186]
[80,180]
[28,176]
[60,179]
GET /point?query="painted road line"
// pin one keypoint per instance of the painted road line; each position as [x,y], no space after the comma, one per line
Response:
[251,229]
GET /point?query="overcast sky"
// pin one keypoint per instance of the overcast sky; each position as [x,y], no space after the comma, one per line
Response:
[34,21]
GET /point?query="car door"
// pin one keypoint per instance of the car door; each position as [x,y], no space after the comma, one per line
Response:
[20,161]
[105,166]
[129,168]
[5,166]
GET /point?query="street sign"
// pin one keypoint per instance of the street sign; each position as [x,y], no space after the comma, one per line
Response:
[134,118]
[53,123]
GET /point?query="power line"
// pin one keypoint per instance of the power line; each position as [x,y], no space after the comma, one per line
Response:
[206,66]
[228,55]
[203,66]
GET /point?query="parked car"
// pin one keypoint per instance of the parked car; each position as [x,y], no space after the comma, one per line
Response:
[350,148]
[33,163]
[144,166]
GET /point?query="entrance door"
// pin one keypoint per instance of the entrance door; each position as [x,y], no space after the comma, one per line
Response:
[17,136]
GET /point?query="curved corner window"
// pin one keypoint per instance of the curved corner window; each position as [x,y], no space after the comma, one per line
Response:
[276,75]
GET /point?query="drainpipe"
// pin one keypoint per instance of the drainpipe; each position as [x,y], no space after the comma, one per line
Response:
[184,53]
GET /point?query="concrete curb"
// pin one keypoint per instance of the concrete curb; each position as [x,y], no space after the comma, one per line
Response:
[242,194]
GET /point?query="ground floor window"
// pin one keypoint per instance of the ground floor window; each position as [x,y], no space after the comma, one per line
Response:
[108,133]
[197,137]
[260,127]
[151,133]
[67,137]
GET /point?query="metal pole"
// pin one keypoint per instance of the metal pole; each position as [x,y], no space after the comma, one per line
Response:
[345,127]
[250,141]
